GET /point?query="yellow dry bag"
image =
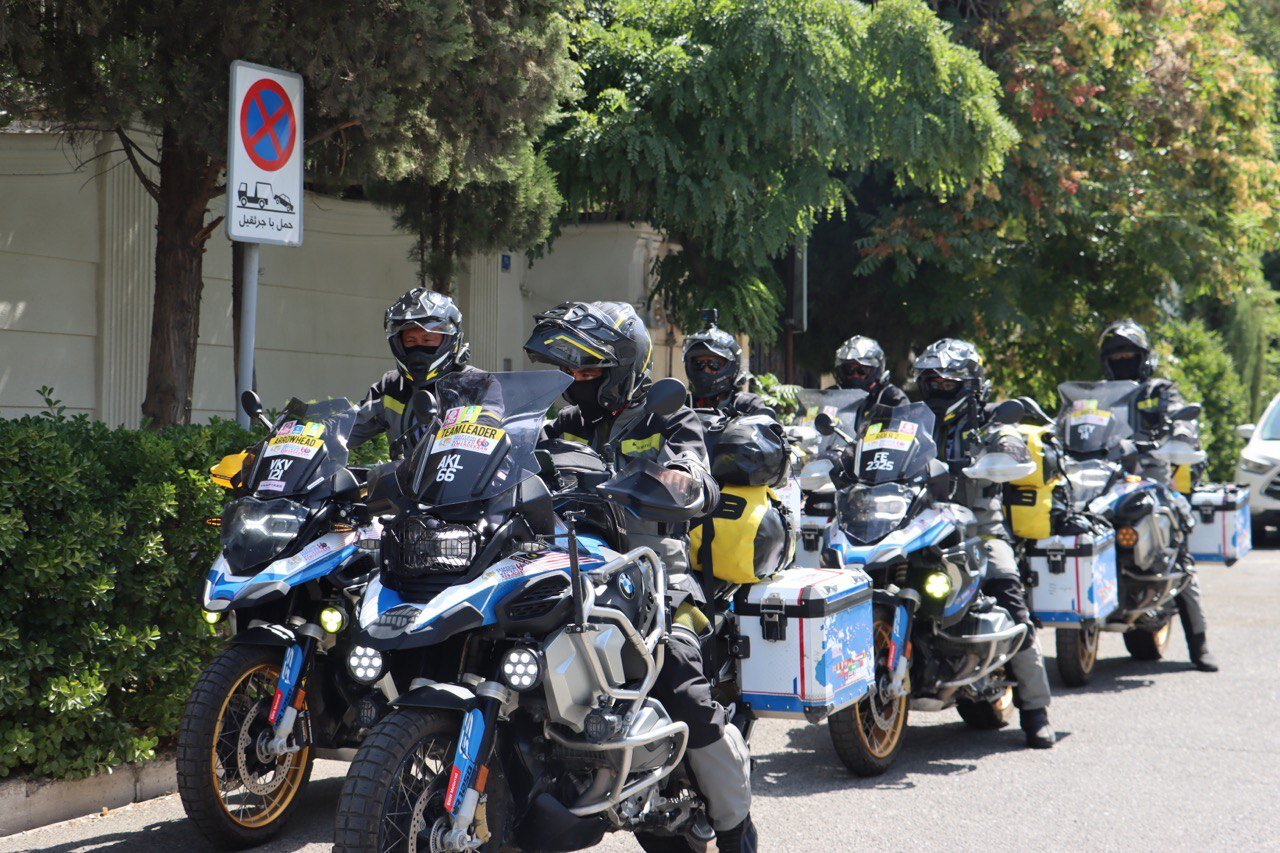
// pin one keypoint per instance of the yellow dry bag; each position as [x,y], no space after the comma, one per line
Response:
[1028,501]
[748,535]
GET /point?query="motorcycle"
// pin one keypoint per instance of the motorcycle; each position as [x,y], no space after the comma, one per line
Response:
[291,568]
[818,455]
[530,647]
[939,642]
[1151,521]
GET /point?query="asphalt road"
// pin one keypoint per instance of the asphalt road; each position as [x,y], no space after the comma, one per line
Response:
[1150,756]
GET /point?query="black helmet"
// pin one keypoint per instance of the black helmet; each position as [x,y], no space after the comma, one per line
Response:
[712,340]
[432,312]
[860,364]
[1125,351]
[607,335]
[950,371]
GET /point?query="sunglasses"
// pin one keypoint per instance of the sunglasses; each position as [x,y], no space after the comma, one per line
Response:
[946,386]
[707,364]
[857,371]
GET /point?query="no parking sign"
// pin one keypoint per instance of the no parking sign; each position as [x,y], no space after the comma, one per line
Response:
[264,155]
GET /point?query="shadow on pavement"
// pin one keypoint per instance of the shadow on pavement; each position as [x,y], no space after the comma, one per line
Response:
[937,750]
[1117,675]
[312,823]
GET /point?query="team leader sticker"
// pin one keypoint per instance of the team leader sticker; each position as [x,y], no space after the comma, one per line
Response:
[472,437]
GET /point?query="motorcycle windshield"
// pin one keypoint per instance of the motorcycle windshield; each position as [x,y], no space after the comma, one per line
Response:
[486,435]
[306,446]
[1095,416]
[843,405]
[870,513]
[895,445]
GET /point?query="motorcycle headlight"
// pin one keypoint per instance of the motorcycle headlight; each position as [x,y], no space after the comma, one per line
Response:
[1256,466]
[256,532]
[937,585]
[365,664]
[420,546]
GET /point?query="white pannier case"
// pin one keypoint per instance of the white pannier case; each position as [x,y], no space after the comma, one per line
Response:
[806,648]
[1223,531]
[1073,577]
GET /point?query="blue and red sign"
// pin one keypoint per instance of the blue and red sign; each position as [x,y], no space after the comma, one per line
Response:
[267,126]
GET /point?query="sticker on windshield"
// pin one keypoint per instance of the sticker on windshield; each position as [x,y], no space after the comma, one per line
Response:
[472,437]
[889,439]
[462,415]
[1087,412]
[271,486]
[298,446]
[314,430]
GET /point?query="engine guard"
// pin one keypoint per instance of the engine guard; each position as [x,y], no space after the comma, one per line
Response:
[549,827]
[992,651]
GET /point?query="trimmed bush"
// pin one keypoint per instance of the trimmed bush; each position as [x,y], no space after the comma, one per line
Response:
[102,553]
[1196,358]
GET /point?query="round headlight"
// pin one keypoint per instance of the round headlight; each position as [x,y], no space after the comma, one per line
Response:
[937,585]
[210,617]
[365,664]
[521,669]
[332,619]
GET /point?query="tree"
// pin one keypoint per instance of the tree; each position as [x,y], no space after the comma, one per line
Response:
[732,125]
[1146,179]
[398,88]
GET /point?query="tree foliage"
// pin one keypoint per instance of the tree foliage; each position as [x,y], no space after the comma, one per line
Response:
[443,92]
[731,126]
[1146,177]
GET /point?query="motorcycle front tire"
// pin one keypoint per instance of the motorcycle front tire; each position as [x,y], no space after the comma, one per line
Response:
[987,716]
[205,748]
[1148,643]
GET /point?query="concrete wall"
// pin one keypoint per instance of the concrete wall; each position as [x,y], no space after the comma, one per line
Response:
[76,272]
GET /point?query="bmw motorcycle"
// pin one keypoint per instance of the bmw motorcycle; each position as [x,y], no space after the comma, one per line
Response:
[819,452]
[939,642]
[529,647]
[290,571]
[1152,522]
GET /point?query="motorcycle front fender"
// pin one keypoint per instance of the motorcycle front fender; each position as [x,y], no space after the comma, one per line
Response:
[266,635]
[438,697]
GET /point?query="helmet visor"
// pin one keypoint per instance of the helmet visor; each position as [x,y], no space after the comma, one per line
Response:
[568,349]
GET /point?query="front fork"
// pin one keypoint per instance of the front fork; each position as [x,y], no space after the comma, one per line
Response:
[470,770]
[898,661]
[290,697]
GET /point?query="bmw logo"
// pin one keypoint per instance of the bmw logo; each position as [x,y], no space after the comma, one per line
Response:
[627,585]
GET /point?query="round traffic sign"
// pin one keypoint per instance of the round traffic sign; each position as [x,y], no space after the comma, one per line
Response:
[267,128]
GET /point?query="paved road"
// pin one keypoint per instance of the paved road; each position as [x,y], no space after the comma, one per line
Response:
[1151,756]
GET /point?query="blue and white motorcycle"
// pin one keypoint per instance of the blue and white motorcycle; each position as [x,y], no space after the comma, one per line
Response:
[287,579]
[528,647]
[939,642]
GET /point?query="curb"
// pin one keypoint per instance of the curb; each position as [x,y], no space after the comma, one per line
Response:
[31,803]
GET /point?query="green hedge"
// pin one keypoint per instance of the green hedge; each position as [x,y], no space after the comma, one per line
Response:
[102,553]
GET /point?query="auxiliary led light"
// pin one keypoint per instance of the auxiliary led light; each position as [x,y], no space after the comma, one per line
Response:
[365,664]
[1126,537]
[521,669]
[937,585]
[210,617]
[333,620]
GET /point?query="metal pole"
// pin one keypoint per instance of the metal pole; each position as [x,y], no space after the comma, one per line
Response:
[248,320]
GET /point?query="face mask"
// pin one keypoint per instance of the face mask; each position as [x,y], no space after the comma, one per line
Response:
[1125,368]
[419,360]
[586,396]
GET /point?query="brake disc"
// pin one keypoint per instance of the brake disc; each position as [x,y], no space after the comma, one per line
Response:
[246,742]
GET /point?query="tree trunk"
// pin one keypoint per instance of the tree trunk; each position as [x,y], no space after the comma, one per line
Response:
[188,177]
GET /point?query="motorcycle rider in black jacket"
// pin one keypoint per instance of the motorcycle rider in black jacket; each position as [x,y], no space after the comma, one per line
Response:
[605,347]
[860,364]
[424,332]
[952,383]
[1126,353]
[713,363]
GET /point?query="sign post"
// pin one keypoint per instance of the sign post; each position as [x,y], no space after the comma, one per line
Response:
[264,183]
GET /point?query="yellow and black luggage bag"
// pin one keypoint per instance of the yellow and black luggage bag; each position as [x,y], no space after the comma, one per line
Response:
[1028,501]
[747,535]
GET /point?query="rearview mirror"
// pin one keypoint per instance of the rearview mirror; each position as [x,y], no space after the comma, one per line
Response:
[251,403]
[665,397]
[424,405]
[1189,412]
[1246,431]
[824,424]
[1033,408]
[1008,412]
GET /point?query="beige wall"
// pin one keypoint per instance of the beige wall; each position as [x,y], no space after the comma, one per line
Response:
[76,266]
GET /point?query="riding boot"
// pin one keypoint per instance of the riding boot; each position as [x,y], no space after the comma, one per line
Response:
[1191,614]
[1036,727]
[741,839]
[1201,658]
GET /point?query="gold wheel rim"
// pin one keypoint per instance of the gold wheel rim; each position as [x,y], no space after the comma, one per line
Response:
[1161,636]
[1004,705]
[254,810]
[1087,646]
[879,741]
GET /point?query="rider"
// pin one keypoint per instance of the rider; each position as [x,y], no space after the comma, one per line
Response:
[605,347]
[713,363]
[424,331]
[952,383]
[860,365]
[1125,351]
